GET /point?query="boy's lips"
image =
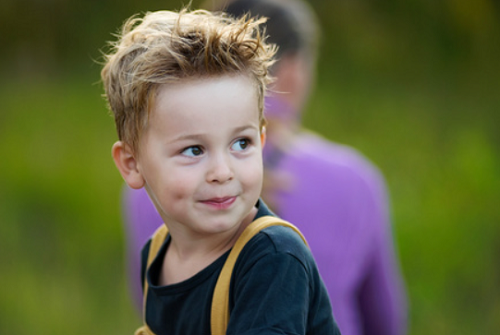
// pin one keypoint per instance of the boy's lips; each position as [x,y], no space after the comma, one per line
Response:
[219,203]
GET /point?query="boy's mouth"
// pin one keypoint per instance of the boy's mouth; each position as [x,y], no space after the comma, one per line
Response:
[219,203]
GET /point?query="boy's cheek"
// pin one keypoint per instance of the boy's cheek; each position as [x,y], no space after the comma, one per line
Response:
[174,187]
[253,175]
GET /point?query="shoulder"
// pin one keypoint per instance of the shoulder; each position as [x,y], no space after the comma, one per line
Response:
[320,161]
[278,243]
[274,239]
[276,269]
[283,239]
[321,151]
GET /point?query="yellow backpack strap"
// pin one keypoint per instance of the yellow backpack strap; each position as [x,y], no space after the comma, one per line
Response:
[220,303]
[156,242]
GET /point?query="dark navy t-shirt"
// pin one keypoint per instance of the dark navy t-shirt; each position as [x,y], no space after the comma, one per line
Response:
[275,289]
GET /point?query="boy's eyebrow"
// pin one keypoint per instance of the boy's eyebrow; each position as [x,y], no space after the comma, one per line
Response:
[246,127]
[200,136]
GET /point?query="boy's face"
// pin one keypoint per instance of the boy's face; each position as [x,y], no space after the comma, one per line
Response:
[201,154]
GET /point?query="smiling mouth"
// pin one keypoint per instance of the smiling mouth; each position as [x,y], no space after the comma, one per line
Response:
[220,203]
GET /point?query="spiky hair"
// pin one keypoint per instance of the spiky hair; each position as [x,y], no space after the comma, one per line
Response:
[164,47]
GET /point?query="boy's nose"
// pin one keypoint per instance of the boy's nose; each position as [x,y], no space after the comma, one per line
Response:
[220,170]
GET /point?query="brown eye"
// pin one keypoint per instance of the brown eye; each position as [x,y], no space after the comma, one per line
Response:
[241,144]
[192,151]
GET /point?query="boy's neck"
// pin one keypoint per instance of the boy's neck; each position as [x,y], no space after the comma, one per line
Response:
[185,257]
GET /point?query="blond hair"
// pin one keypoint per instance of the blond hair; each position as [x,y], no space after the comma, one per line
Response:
[164,47]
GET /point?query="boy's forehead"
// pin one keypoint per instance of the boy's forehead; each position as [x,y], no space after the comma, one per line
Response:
[211,90]
[189,96]
[199,80]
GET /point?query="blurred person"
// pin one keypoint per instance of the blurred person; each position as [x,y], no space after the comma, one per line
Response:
[334,194]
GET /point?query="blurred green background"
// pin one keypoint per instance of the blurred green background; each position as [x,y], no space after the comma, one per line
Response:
[412,84]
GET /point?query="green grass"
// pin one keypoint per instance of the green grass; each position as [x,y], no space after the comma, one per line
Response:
[62,242]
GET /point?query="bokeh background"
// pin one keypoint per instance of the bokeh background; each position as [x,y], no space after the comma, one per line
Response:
[412,84]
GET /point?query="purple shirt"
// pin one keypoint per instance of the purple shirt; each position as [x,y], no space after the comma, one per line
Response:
[338,200]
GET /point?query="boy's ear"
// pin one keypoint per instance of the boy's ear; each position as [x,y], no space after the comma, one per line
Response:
[263,137]
[127,165]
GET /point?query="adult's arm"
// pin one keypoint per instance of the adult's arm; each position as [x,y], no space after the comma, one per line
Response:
[382,297]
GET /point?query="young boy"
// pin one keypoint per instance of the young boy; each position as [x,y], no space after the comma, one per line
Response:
[186,90]
[331,192]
